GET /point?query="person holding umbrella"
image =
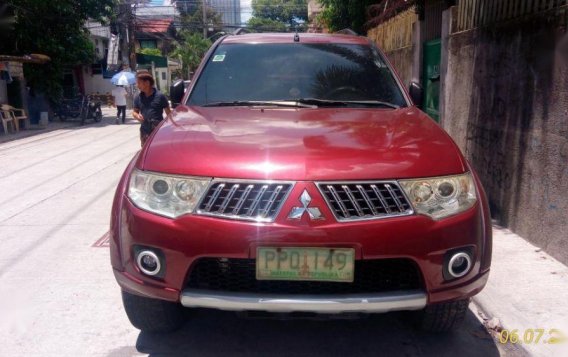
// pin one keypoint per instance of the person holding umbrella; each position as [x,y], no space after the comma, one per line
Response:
[119,93]
[121,80]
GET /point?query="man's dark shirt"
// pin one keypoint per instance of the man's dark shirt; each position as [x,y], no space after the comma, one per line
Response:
[151,108]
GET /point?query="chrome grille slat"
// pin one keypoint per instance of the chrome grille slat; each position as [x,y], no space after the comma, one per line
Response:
[381,198]
[270,201]
[352,201]
[256,200]
[367,199]
[244,200]
[214,197]
[394,196]
[228,198]
[338,200]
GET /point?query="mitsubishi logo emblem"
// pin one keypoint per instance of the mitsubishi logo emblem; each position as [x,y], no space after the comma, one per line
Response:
[298,212]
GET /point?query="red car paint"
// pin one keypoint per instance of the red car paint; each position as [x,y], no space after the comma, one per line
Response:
[302,145]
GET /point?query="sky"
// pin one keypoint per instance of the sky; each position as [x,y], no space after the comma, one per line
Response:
[245,10]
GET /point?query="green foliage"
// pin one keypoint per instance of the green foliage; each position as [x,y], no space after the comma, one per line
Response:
[192,20]
[190,49]
[190,46]
[266,25]
[287,11]
[56,29]
[278,15]
[150,51]
[341,14]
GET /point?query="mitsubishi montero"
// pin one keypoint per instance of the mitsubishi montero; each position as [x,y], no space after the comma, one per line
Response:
[298,175]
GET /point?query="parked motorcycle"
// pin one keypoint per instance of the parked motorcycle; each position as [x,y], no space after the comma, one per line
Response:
[85,107]
[68,108]
[91,110]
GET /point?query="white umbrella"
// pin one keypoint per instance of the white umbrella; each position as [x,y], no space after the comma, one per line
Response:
[123,79]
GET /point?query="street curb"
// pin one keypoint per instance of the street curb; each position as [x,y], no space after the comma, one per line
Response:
[527,290]
[487,316]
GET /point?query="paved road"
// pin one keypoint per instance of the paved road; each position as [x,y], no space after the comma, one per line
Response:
[58,296]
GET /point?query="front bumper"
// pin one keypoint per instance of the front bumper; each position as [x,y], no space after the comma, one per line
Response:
[393,301]
[187,239]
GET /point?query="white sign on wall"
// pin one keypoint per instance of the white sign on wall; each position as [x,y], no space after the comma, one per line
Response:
[112,58]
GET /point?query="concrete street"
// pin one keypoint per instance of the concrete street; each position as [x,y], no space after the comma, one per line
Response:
[58,296]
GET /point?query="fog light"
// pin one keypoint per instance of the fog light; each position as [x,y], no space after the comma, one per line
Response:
[459,265]
[148,262]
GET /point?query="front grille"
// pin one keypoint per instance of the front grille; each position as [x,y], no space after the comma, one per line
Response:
[356,201]
[239,275]
[259,201]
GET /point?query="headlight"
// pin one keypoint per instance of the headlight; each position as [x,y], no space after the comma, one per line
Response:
[440,197]
[170,196]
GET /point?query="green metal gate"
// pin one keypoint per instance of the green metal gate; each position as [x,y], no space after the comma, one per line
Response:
[431,79]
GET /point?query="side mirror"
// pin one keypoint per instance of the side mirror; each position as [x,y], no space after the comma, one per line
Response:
[177,91]
[416,93]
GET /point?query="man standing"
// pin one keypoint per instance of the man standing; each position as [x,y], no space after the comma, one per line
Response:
[119,93]
[149,105]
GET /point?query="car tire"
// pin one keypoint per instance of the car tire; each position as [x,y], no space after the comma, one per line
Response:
[153,315]
[443,317]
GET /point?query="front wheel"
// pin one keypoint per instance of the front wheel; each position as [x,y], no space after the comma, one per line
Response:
[98,115]
[62,116]
[152,315]
[443,317]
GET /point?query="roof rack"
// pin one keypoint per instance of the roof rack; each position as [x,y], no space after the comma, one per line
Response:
[241,31]
[346,31]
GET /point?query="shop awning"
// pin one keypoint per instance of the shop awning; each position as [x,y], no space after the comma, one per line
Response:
[32,58]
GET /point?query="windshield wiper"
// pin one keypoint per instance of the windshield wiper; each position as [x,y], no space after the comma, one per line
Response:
[276,103]
[346,103]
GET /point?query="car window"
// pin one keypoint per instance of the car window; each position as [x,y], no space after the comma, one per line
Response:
[267,72]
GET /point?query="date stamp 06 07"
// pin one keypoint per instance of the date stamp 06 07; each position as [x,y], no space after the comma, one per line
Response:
[533,336]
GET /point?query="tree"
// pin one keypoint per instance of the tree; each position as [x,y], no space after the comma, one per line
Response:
[56,29]
[278,15]
[341,14]
[190,49]
[287,11]
[192,19]
[261,24]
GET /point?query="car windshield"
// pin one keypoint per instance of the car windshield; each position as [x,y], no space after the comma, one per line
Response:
[342,73]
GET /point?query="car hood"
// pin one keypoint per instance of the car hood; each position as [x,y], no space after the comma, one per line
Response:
[302,144]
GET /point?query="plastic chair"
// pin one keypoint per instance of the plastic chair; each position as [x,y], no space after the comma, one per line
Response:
[7,118]
[17,117]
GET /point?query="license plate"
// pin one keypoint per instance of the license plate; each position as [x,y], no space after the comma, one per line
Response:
[315,264]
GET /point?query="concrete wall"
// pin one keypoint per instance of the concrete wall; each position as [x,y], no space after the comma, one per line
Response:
[506,105]
[96,83]
[162,84]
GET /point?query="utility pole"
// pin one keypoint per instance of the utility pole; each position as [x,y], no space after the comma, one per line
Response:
[123,33]
[126,33]
[205,19]
[130,35]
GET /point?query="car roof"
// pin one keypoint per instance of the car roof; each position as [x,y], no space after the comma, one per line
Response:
[255,38]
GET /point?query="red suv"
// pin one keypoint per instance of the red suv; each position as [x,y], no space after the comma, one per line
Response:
[297,175]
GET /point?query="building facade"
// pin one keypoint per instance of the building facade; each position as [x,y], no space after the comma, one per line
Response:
[230,11]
